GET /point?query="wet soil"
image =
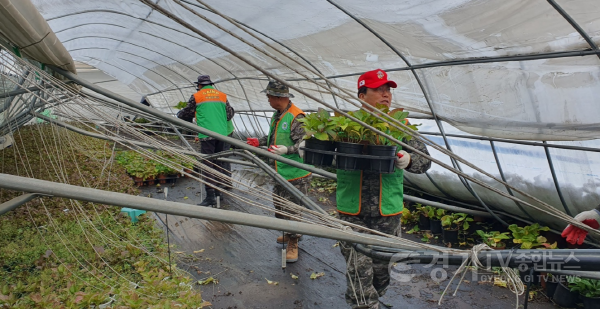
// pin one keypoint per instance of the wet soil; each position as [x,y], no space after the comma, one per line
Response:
[243,259]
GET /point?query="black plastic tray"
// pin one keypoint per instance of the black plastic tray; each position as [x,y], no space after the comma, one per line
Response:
[335,153]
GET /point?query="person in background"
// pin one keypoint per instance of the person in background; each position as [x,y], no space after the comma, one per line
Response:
[212,111]
[575,235]
[285,137]
[374,201]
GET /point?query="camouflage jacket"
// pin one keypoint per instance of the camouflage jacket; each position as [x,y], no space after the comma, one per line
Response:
[296,131]
[370,187]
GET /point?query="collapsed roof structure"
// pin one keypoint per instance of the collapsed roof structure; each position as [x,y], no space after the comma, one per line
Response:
[507,89]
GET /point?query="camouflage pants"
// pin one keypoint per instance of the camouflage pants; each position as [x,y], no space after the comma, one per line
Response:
[302,184]
[367,279]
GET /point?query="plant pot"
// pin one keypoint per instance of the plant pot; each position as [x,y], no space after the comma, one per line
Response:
[139,181]
[450,236]
[151,181]
[590,302]
[564,297]
[435,226]
[542,277]
[473,227]
[424,223]
[551,288]
[384,165]
[345,160]
[162,178]
[315,158]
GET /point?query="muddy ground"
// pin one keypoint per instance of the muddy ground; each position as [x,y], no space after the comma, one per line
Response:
[242,259]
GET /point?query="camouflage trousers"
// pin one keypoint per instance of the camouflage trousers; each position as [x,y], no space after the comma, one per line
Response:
[302,184]
[367,279]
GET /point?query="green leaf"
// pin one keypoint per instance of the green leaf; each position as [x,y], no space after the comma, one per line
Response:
[207,281]
[322,136]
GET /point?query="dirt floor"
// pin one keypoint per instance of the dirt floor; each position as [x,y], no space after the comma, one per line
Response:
[243,260]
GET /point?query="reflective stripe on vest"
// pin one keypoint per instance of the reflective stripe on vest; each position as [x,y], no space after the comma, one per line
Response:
[211,112]
[282,137]
[349,190]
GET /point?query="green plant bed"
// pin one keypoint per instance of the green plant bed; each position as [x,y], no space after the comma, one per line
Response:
[88,253]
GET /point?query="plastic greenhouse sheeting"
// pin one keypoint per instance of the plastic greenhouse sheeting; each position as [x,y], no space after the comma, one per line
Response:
[537,99]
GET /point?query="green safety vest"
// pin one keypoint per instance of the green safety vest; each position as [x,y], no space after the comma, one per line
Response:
[211,112]
[349,188]
[282,137]
[230,127]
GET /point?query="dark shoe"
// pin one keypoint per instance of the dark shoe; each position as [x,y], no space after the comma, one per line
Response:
[210,199]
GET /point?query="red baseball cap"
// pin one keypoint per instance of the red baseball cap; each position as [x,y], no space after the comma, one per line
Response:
[374,79]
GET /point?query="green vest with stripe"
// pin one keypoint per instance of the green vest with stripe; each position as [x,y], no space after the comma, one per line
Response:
[211,112]
[349,189]
[281,136]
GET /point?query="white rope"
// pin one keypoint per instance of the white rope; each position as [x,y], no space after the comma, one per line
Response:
[512,276]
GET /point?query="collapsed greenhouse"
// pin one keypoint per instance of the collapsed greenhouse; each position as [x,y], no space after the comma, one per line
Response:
[502,94]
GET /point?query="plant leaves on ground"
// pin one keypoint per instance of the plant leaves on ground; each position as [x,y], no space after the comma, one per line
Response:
[58,252]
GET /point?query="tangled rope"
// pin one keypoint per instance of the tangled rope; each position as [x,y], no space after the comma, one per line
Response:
[512,276]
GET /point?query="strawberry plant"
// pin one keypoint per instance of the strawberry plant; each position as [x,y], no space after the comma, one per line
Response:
[494,239]
[529,236]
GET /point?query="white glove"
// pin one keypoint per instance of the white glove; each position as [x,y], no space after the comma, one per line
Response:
[402,160]
[589,214]
[278,149]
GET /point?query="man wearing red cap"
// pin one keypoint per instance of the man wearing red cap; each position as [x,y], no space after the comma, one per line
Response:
[374,201]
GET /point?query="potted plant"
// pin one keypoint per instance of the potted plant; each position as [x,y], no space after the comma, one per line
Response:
[350,141]
[408,217]
[162,171]
[423,212]
[494,239]
[319,138]
[382,146]
[134,164]
[589,291]
[529,236]
[452,224]
[435,219]
[563,296]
